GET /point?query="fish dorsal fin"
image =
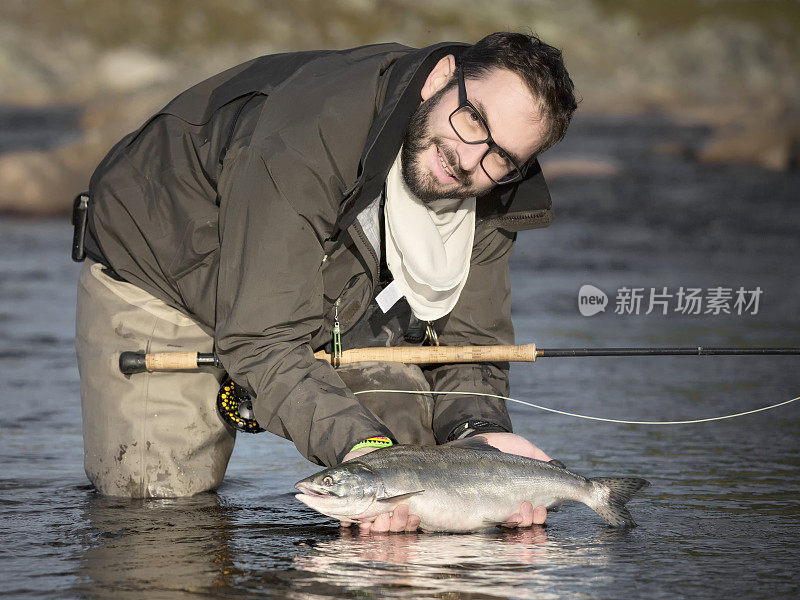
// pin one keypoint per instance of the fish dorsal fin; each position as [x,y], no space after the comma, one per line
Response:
[476,442]
[384,497]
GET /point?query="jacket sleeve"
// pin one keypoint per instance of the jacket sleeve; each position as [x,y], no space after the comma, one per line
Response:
[481,317]
[269,304]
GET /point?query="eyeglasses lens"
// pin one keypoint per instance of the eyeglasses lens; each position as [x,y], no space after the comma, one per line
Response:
[469,126]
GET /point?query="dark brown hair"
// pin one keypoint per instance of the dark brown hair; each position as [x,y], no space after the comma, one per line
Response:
[540,66]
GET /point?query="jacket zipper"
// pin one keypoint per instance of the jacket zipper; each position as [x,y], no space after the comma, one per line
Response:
[337,331]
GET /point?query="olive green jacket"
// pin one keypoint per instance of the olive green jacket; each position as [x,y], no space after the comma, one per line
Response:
[237,205]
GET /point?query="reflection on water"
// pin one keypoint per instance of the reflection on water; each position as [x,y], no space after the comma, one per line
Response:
[432,564]
[137,547]
[721,518]
[200,546]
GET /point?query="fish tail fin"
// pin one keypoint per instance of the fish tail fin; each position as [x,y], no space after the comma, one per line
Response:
[611,494]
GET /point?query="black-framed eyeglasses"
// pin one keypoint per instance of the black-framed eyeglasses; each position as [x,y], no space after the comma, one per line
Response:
[470,127]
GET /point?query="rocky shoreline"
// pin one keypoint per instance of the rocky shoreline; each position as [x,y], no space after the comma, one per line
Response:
[738,74]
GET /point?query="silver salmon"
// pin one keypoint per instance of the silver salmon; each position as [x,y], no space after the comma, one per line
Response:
[460,487]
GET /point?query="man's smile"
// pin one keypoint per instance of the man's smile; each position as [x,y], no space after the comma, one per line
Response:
[444,172]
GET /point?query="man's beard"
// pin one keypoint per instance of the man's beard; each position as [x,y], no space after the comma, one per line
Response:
[422,183]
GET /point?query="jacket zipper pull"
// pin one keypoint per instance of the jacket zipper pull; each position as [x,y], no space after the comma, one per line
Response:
[337,335]
[430,334]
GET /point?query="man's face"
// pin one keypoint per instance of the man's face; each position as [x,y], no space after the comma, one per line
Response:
[514,121]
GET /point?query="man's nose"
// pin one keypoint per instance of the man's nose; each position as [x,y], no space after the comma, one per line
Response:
[470,155]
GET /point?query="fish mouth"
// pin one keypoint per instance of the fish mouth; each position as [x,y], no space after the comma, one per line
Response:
[308,490]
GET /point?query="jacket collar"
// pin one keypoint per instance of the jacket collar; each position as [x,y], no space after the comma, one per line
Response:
[517,206]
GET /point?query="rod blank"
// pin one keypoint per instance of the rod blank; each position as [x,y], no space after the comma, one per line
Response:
[696,351]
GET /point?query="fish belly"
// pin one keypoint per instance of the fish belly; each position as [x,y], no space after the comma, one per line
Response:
[471,512]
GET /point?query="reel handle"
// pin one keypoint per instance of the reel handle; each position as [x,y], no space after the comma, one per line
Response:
[139,362]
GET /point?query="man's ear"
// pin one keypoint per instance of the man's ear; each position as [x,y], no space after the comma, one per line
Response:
[439,76]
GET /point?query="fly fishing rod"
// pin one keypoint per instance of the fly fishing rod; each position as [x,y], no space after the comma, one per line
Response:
[135,362]
[235,405]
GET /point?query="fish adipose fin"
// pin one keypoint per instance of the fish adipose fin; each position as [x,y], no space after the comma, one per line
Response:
[398,497]
[610,494]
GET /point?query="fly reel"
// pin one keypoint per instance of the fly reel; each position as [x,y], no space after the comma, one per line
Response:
[235,407]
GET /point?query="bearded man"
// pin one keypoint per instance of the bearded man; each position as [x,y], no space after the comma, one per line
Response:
[372,195]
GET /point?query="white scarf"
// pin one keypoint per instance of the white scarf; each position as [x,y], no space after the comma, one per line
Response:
[428,246]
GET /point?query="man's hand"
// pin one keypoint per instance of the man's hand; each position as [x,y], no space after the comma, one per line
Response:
[511,443]
[356,453]
[399,520]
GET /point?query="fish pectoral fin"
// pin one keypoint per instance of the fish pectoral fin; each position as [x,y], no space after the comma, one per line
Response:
[397,497]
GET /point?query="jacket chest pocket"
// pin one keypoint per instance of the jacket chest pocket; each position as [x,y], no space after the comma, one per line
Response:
[348,303]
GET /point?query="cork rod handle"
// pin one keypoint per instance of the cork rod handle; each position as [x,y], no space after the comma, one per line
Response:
[437,354]
[171,361]
[139,362]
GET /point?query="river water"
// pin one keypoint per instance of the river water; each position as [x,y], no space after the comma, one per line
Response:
[721,519]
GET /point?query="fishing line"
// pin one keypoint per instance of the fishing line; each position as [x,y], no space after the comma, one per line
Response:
[569,414]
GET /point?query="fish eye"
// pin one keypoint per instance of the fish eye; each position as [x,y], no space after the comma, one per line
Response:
[327,480]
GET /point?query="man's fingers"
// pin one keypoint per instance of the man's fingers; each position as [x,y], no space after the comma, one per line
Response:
[413,523]
[399,518]
[381,523]
[526,514]
[513,521]
[396,521]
